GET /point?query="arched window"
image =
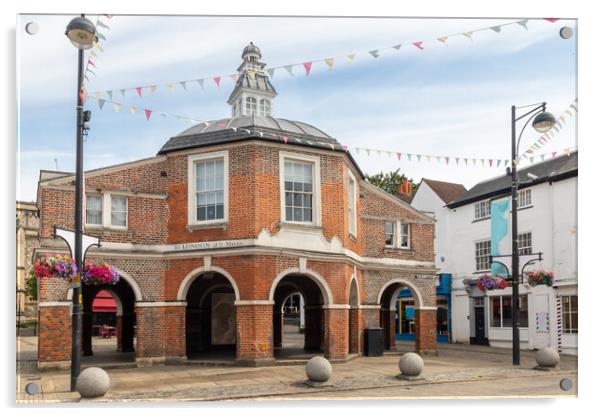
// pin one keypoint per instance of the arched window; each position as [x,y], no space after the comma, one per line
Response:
[251,105]
[264,108]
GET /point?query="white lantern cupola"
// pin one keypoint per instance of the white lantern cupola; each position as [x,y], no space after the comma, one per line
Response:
[253,93]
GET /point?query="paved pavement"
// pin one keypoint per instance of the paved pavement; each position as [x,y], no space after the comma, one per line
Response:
[458,371]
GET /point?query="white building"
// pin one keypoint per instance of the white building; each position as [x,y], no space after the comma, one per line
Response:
[547,223]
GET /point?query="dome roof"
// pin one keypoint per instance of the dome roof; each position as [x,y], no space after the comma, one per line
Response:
[250,48]
[249,127]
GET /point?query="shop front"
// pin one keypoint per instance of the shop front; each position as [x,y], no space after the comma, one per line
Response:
[405,312]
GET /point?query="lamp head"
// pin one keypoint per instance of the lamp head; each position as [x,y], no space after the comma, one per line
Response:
[543,122]
[81,32]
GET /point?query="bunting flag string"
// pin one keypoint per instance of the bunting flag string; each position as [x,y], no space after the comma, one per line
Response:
[547,137]
[94,53]
[350,57]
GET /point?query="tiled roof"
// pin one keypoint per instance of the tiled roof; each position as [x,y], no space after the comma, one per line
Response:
[447,191]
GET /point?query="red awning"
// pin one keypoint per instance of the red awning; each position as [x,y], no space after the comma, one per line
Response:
[104,302]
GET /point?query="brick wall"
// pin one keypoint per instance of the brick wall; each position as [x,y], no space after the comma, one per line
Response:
[54,337]
[160,331]
[254,335]
[426,326]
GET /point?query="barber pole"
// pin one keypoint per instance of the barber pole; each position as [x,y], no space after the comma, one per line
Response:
[559,322]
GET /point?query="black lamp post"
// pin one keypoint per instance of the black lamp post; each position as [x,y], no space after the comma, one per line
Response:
[542,122]
[82,33]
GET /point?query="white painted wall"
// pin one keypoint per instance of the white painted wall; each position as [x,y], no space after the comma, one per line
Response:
[425,199]
[552,221]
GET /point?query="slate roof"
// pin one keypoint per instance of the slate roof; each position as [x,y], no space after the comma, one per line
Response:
[552,170]
[447,191]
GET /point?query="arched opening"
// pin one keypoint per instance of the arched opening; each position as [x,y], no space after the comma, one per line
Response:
[298,317]
[398,315]
[211,317]
[108,323]
[354,329]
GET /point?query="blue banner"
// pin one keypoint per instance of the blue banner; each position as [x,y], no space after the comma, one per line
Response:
[500,209]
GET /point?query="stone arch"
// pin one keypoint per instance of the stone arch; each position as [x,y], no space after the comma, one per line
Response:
[122,275]
[187,281]
[354,292]
[404,283]
[319,280]
[118,302]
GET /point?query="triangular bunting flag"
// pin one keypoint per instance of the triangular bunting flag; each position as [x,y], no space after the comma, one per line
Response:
[233,77]
[531,159]
[428,158]
[378,152]
[108,16]
[474,162]
[398,156]
[169,86]
[457,161]
[542,157]
[82,95]
[100,35]
[122,91]
[418,45]
[554,154]
[350,58]
[374,53]
[329,62]
[574,107]
[101,24]
[110,94]
[152,88]
[567,152]
[418,156]
[217,80]
[307,66]
[367,152]
[442,39]
[551,19]
[139,91]
[482,162]
[183,84]
[505,162]
[468,35]
[289,69]
[466,161]
[101,103]
[438,158]
[200,82]
[271,72]
[490,162]
[133,109]
[117,107]
[496,29]
[93,53]
[148,114]
[97,94]
[523,23]
[97,46]
[398,46]
[498,163]
[92,72]
[285,139]
[447,160]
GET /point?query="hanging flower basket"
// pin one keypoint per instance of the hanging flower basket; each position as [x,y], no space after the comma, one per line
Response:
[541,277]
[487,282]
[62,267]
[99,274]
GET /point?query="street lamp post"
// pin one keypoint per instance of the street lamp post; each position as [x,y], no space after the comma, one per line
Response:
[542,122]
[82,33]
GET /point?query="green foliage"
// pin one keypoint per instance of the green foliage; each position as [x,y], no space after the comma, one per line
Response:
[31,286]
[390,181]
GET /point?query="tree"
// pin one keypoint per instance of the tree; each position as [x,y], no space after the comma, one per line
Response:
[31,286]
[390,181]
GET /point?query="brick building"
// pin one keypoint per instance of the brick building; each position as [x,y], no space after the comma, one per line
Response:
[214,233]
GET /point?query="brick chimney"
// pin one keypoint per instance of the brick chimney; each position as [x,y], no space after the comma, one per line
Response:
[405,188]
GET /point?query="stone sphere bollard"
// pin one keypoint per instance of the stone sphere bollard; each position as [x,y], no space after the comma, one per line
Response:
[318,370]
[547,358]
[93,382]
[410,365]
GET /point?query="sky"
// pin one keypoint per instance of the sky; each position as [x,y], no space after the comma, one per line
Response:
[450,99]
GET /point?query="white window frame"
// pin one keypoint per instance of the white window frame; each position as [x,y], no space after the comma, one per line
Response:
[108,198]
[501,310]
[475,255]
[478,210]
[394,234]
[316,188]
[525,196]
[399,224]
[520,249]
[106,210]
[192,160]
[568,329]
[102,210]
[352,210]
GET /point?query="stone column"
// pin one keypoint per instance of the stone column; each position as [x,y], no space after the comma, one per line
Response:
[426,330]
[54,335]
[254,332]
[161,332]
[336,324]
